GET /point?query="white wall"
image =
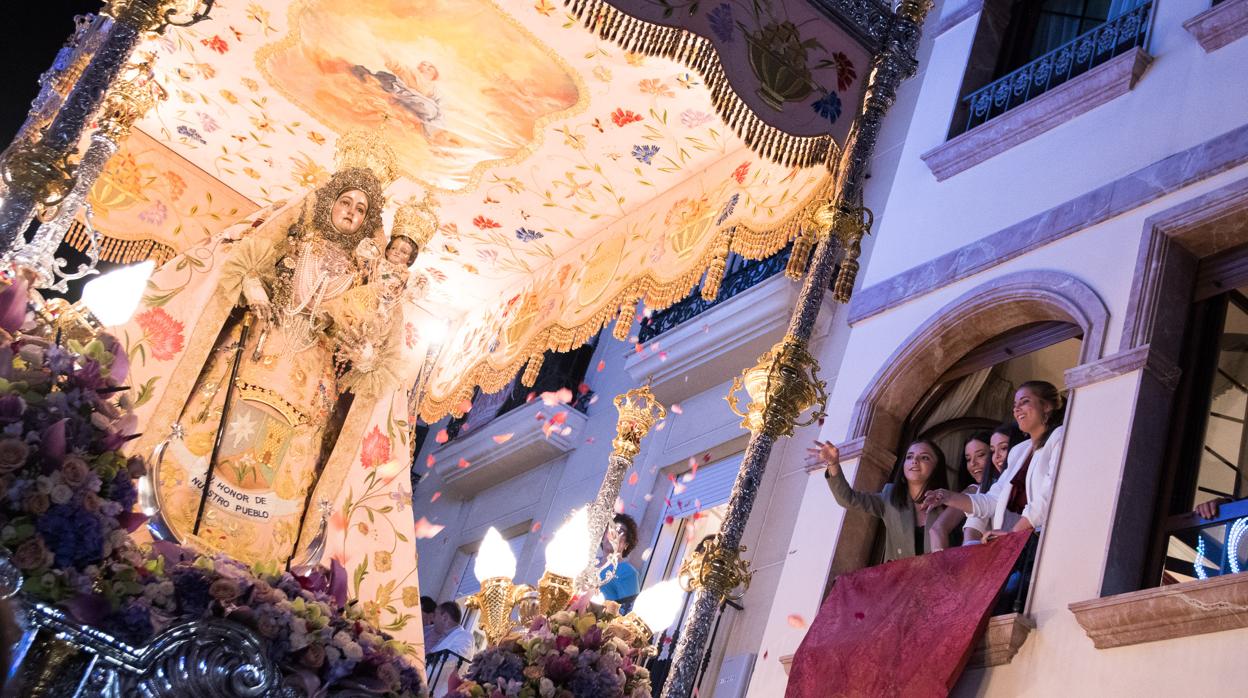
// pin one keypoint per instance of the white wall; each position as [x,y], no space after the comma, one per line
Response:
[1185,98]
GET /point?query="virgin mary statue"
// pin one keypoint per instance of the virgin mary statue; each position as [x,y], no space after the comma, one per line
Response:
[261,359]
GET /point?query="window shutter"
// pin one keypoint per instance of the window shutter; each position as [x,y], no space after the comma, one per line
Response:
[709,488]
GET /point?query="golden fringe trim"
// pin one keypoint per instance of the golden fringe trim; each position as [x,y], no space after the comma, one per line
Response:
[715,272]
[119,251]
[748,242]
[534,367]
[697,53]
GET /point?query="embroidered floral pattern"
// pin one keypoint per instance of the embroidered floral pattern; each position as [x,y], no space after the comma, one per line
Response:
[623,117]
[742,170]
[645,153]
[828,106]
[720,21]
[161,332]
[483,223]
[376,450]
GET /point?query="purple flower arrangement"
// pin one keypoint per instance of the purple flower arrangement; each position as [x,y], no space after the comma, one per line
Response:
[317,639]
[66,490]
[570,654]
[66,499]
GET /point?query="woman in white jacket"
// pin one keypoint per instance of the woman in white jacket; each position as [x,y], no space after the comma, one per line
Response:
[1019,500]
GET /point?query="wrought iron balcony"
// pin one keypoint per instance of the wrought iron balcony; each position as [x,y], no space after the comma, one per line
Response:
[1118,35]
[739,275]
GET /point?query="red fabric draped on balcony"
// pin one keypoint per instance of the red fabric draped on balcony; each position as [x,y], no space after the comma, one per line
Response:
[905,628]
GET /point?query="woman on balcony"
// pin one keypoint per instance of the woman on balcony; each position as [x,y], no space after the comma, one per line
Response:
[1020,500]
[978,453]
[906,526]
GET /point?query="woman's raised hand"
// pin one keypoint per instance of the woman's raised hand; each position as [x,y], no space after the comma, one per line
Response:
[824,455]
[934,498]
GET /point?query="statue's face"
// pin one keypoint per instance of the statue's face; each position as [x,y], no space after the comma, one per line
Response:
[400,252]
[349,210]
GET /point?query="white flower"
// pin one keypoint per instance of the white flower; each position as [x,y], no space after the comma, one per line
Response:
[60,493]
[546,688]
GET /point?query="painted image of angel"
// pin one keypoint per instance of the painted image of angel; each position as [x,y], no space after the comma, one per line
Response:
[356,63]
[413,92]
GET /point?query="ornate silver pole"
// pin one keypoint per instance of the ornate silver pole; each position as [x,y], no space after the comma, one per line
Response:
[783,385]
[125,104]
[639,410]
[38,172]
[56,82]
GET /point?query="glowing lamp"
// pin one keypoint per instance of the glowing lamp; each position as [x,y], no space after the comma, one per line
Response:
[568,552]
[494,559]
[113,297]
[657,606]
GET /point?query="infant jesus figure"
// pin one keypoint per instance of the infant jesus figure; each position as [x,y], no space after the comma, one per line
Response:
[392,271]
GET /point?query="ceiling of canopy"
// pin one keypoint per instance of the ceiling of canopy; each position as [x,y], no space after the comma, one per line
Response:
[571,176]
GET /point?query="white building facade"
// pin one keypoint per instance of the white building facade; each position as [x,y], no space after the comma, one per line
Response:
[1087,229]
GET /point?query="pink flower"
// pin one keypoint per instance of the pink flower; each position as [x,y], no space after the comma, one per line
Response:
[31,554]
[224,590]
[692,118]
[313,657]
[162,331]
[13,454]
[35,502]
[376,449]
[74,471]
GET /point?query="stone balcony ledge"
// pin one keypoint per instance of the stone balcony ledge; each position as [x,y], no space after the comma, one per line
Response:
[1166,612]
[1219,25]
[699,353]
[489,463]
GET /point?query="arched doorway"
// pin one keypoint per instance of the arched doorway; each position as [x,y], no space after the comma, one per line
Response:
[970,353]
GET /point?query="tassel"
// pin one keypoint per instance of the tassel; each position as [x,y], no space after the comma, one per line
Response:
[844,286]
[715,272]
[624,320]
[529,379]
[802,245]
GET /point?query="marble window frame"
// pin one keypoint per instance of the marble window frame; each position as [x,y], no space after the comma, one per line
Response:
[1131,608]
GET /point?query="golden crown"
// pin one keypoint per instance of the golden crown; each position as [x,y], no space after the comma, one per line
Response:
[368,149]
[416,220]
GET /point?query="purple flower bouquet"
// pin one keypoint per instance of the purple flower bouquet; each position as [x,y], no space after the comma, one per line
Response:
[571,654]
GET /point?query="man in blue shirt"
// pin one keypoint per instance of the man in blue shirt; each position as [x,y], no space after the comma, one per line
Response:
[626,584]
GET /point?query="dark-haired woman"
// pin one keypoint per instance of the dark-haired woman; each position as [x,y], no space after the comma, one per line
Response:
[978,453]
[1026,487]
[905,525]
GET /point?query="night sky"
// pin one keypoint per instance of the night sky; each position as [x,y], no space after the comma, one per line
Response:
[30,35]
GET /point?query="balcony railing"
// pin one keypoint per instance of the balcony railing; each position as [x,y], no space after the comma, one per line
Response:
[1116,36]
[559,370]
[739,275]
